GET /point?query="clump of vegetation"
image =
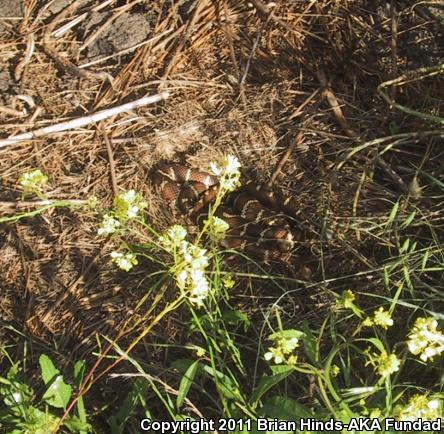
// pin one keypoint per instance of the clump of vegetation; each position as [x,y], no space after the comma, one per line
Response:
[25,412]
[358,368]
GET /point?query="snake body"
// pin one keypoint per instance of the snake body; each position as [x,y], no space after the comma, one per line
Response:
[260,220]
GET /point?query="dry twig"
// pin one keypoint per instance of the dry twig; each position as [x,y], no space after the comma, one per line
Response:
[296,142]
[112,165]
[85,120]
[334,104]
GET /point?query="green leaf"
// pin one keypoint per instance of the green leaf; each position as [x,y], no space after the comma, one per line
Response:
[386,277]
[81,411]
[134,398]
[439,183]
[408,220]
[42,421]
[75,425]
[225,384]
[284,408]
[424,260]
[377,343]
[14,373]
[406,273]
[236,317]
[182,365]
[405,246]
[49,371]
[186,382]
[58,393]
[281,369]
[393,213]
[309,343]
[287,334]
[14,390]
[79,372]
[267,382]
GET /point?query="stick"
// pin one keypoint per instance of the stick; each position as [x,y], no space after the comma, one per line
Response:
[46,202]
[296,142]
[334,104]
[227,30]
[112,166]
[253,51]
[85,120]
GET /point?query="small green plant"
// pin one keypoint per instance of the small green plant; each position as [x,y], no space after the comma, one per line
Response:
[26,412]
[33,182]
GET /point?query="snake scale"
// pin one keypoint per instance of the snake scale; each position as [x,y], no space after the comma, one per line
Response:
[261,222]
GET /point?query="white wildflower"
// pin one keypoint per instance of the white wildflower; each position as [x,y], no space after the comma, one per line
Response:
[388,364]
[199,288]
[285,343]
[109,225]
[289,345]
[419,407]
[425,339]
[383,318]
[17,397]
[228,173]
[182,278]
[274,353]
[33,181]
[383,363]
[174,238]
[190,262]
[177,233]
[217,228]
[196,256]
[125,261]
[128,204]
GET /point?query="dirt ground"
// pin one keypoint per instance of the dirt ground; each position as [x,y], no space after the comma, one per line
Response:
[245,78]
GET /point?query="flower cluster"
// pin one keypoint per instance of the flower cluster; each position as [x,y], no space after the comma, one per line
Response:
[285,342]
[217,228]
[128,204]
[388,364]
[125,261]
[173,238]
[33,182]
[346,301]
[228,282]
[190,262]
[419,407]
[425,339]
[381,318]
[384,363]
[228,173]
[108,226]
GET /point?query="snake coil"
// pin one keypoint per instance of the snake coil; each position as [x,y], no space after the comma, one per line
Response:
[260,220]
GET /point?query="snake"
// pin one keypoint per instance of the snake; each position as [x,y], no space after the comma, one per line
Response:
[261,221]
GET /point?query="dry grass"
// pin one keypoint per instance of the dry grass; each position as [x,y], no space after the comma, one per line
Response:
[244,79]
